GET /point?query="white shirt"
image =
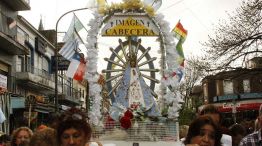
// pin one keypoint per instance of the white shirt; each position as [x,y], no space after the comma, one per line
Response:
[226,140]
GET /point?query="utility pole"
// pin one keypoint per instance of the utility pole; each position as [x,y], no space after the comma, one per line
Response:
[56,57]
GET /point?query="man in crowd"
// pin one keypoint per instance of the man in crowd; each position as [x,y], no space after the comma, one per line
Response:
[255,138]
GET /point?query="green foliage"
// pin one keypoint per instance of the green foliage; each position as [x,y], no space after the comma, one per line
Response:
[186,115]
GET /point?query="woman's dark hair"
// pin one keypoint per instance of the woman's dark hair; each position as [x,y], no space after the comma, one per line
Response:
[237,129]
[209,109]
[43,137]
[197,124]
[73,118]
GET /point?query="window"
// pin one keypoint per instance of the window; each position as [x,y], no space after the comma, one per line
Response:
[228,87]
[28,62]
[19,64]
[41,65]
[205,90]
[40,62]
[3,21]
[219,87]
[246,86]
[45,66]
[21,36]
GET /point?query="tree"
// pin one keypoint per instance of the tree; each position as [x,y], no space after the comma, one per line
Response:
[194,72]
[238,39]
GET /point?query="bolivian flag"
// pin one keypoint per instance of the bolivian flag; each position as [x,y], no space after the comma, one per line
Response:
[180,32]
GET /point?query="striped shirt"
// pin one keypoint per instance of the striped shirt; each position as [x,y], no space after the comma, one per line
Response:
[253,139]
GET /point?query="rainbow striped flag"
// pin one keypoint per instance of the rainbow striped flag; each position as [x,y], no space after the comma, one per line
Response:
[179,31]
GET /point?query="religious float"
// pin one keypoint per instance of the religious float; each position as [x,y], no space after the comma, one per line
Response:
[135,113]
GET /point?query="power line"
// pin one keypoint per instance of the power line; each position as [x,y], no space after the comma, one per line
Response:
[187,8]
[172,5]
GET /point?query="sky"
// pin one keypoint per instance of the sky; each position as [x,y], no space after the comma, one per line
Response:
[199,17]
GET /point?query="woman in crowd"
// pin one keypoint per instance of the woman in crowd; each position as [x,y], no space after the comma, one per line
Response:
[212,111]
[43,137]
[237,132]
[21,136]
[73,129]
[203,132]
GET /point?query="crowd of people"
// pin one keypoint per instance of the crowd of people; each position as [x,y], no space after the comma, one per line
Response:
[69,129]
[72,129]
[206,130]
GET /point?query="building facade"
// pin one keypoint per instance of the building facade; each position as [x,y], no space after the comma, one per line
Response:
[237,93]
[10,48]
[27,79]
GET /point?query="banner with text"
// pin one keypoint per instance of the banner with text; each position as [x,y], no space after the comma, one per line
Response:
[130,25]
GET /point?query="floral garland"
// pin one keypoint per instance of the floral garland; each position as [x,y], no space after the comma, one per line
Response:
[92,76]
[127,5]
[169,80]
[167,42]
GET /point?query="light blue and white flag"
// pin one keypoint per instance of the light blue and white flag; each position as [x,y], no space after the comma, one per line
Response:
[70,47]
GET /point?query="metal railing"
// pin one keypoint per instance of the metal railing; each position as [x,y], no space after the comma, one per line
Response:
[74,93]
[36,71]
[70,92]
[140,131]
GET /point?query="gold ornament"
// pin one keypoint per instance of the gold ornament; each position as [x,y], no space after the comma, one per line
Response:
[101,80]
[150,10]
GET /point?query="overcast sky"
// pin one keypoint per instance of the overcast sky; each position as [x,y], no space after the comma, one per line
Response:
[197,16]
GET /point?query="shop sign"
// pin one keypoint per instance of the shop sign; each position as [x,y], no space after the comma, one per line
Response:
[3,82]
[130,25]
[62,63]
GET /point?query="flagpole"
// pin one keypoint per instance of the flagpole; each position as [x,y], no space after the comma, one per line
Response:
[56,56]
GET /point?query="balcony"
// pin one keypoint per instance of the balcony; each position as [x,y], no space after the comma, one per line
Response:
[32,78]
[70,96]
[18,5]
[11,46]
[36,79]
[9,37]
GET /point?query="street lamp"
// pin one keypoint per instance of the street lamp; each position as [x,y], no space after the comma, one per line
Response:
[56,56]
